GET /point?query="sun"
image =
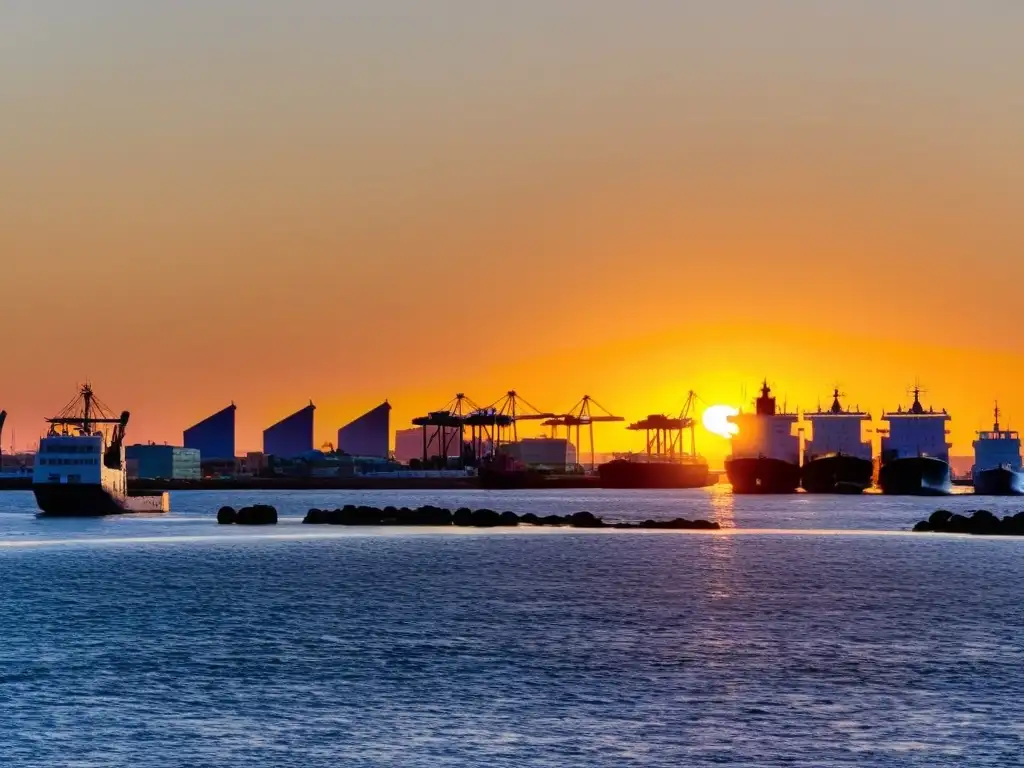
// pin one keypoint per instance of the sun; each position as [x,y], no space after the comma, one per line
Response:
[716,420]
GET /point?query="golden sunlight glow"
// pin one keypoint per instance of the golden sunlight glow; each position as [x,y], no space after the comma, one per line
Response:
[716,420]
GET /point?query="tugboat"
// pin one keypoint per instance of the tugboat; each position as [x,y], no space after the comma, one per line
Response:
[80,467]
[836,459]
[915,454]
[765,452]
[997,463]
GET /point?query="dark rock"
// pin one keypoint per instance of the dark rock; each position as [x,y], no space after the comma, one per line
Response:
[1014,526]
[462,517]
[530,519]
[429,515]
[226,515]
[958,524]
[508,518]
[485,518]
[585,520]
[705,525]
[923,526]
[316,517]
[985,523]
[553,520]
[257,514]
[939,518]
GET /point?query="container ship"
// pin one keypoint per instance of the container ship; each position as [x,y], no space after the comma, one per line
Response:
[997,463]
[915,452]
[80,466]
[765,452]
[836,459]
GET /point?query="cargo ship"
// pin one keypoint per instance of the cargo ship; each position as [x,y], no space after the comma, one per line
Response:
[642,471]
[836,459]
[765,452]
[915,453]
[666,462]
[80,466]
[997,463]
[502,472]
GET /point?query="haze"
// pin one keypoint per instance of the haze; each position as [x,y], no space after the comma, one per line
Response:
[270,202]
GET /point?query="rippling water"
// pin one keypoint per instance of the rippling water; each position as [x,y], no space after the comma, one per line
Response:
[824,635]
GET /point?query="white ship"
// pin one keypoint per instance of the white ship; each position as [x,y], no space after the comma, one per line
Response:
[997,463]
[80,466]
[765,452]
[915,452]
[837,459]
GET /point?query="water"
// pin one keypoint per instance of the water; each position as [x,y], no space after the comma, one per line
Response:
[824,635]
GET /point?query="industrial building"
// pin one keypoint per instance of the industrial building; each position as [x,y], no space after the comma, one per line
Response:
[369,434]
[214,436]
[163,462]
[550,452]
[292,437]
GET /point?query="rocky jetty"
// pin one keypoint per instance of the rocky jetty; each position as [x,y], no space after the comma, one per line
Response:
[482,518]
[257,514]
[977,521]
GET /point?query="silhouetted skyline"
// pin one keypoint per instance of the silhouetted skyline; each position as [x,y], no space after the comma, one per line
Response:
[270,202]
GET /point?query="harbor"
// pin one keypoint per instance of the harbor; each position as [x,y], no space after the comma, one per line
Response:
[84,465]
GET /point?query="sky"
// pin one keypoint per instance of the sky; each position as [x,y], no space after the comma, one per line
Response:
[205,201]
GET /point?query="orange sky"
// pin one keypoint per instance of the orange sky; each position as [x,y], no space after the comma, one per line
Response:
[266,203]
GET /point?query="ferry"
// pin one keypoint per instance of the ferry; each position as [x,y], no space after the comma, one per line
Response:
[80,466]
[915,451]
[765,452]
[836,459]
[997,462]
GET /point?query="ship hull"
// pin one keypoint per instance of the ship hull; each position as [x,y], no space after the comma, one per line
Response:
[998,481]
[916,476]
[80,500]
[836,473]
[500,479]
[762,475]
[655,474]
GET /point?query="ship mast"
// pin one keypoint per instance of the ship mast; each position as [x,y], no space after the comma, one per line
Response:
[995,425]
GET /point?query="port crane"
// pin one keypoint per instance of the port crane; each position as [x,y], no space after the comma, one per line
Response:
[448,424]
[3,419]
[664,434]
[512,407]
[582,414]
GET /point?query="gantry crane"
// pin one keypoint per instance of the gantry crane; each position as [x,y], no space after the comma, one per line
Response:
[580,415]
[665,433]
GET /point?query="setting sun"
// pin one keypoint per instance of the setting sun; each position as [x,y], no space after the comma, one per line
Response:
[716,420]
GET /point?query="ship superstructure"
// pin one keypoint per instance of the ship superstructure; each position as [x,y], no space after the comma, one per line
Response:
[915,451]
[80,466]
[997,461]
[765,452]
[837,459]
